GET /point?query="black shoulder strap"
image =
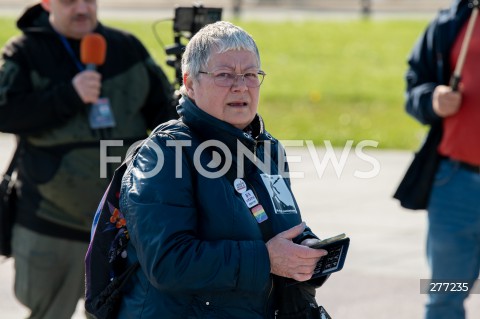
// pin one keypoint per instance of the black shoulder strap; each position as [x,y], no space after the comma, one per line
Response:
[13,163]
[266,226]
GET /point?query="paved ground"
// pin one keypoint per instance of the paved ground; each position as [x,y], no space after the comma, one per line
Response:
[385,263]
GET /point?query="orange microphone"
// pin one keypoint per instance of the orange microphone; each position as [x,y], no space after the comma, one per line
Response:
[93,49]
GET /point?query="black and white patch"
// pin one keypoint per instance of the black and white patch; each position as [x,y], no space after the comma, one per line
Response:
[279,194]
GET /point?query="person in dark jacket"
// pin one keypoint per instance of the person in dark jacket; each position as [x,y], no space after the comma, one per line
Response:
[46,96]
[453,243]
[198,199]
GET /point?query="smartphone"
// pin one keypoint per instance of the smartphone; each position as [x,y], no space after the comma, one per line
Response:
[323,242]
[337,248]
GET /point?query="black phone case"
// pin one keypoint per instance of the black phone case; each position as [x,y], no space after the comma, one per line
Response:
[337,252]
[333,262]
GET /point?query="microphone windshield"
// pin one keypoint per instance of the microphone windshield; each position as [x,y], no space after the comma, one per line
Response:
[93,49]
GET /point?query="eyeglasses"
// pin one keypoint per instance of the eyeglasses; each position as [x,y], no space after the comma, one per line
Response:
[227,79]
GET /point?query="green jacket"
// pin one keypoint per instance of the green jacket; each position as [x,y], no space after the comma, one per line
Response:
[60,182]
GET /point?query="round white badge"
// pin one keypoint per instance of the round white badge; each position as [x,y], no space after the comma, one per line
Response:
[239,185]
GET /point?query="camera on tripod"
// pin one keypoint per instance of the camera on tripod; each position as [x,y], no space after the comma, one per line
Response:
[187,22]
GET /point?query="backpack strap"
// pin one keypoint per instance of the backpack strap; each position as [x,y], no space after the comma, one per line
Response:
[7,176]
[266,226]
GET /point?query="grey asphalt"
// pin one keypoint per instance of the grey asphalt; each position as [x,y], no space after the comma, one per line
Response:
[385,262]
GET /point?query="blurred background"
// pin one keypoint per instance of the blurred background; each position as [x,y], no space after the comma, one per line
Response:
[335,76]
[344,60]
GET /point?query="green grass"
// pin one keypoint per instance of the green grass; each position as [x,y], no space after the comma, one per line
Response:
[327,80]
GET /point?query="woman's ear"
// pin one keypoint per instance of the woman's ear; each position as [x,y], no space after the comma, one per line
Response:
[46,5]
[188,82]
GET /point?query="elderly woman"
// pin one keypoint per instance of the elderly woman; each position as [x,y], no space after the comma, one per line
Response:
[211,216]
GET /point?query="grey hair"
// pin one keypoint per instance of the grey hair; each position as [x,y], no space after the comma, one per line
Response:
[218,37]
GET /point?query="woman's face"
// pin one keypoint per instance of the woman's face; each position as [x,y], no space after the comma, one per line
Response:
[236,104]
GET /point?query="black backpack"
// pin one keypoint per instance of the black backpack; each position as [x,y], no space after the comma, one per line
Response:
[106,270]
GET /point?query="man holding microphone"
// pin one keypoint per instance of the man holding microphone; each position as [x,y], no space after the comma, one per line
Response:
[60,110]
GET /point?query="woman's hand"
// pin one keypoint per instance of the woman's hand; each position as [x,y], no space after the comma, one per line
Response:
[290,260]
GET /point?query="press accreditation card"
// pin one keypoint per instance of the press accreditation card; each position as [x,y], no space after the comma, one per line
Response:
[101,115]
